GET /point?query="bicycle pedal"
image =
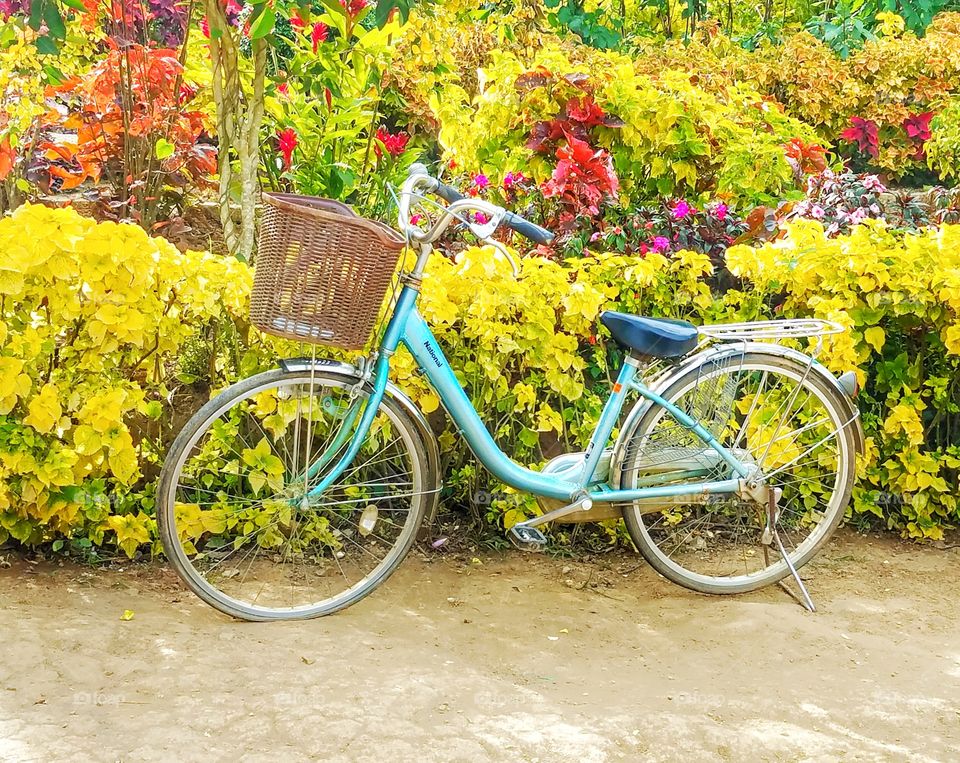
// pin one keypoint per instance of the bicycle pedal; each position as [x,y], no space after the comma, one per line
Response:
[527,538]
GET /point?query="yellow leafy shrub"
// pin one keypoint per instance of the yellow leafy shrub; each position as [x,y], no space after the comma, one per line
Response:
[900,297]
[90,317]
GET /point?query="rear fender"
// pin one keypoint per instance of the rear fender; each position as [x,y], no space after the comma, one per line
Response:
[720,352]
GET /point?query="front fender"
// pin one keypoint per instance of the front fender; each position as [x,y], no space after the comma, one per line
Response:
[348,371]
[718,352]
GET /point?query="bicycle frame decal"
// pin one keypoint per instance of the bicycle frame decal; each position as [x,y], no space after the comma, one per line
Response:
[406,326]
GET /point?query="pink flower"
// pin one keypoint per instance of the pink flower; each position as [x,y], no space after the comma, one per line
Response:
[595,237]
[681,209]
[415,219]
[287,144]
[661,243]
[233,9]
[394,143]
[721,211]
[319,34]
[481,218]
[817,212]
[481,181]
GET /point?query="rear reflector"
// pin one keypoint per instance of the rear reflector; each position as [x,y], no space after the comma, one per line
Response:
[849,383]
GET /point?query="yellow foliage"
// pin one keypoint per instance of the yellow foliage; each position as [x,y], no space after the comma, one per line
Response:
[91,314]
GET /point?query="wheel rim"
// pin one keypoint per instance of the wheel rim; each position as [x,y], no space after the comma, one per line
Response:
[241,523]
[779,419]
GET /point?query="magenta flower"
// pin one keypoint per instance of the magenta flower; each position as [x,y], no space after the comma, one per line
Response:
[721,211]
[415,219]
[512,178]
[481,218]
[481,181]
[681,209]
[661,243]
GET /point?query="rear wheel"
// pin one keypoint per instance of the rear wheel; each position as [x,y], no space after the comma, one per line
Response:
[236,515]
[773,413]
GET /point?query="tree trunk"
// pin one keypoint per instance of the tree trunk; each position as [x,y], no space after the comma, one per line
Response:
[239,117]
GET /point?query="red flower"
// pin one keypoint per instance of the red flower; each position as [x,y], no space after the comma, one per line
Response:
[917,126]
[283,88]
[298,22]
[394,143]
[328,97]
[319,34]
[353,7]
[205,26]
[287,143]
[865,133]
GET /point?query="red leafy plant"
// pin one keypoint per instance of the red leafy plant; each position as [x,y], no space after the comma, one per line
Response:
[134,132]
[865,133]
[584,177]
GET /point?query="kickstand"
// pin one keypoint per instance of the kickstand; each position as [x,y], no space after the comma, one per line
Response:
[770,535]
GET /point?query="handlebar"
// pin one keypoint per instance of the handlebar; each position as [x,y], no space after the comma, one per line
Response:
[419,181]
[515,222]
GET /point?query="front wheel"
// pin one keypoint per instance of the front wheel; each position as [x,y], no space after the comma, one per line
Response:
[777,417]
[236,512]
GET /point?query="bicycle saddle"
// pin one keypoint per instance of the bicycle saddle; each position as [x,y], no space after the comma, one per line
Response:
[658,337]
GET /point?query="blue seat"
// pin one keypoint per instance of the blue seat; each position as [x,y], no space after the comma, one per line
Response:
[658,337]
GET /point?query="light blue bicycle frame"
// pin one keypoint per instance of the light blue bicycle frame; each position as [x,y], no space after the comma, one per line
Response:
[407,326]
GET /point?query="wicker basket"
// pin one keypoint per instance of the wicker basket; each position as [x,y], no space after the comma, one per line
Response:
[322,272]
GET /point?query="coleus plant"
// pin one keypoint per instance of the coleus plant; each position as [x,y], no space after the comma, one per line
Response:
[134,131]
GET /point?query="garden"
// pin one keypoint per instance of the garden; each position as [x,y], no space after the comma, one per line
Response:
[713,162]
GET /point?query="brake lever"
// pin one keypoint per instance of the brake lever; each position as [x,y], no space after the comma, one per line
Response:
[486,230]
[506,253]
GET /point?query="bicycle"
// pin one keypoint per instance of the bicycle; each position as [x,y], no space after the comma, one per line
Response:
[296,492]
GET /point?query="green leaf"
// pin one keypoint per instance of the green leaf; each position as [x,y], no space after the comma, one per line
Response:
[383,11]
[264,23]
[54,75]
[35,21]
[164,149]
[55,26]
[77,5]
[46,46]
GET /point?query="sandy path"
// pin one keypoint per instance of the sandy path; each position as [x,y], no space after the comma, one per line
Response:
[505,660]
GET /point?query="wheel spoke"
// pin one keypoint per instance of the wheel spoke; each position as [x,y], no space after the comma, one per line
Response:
[252,544]
[778,416]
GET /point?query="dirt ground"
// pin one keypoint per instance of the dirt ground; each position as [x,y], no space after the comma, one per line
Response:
[506,657]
